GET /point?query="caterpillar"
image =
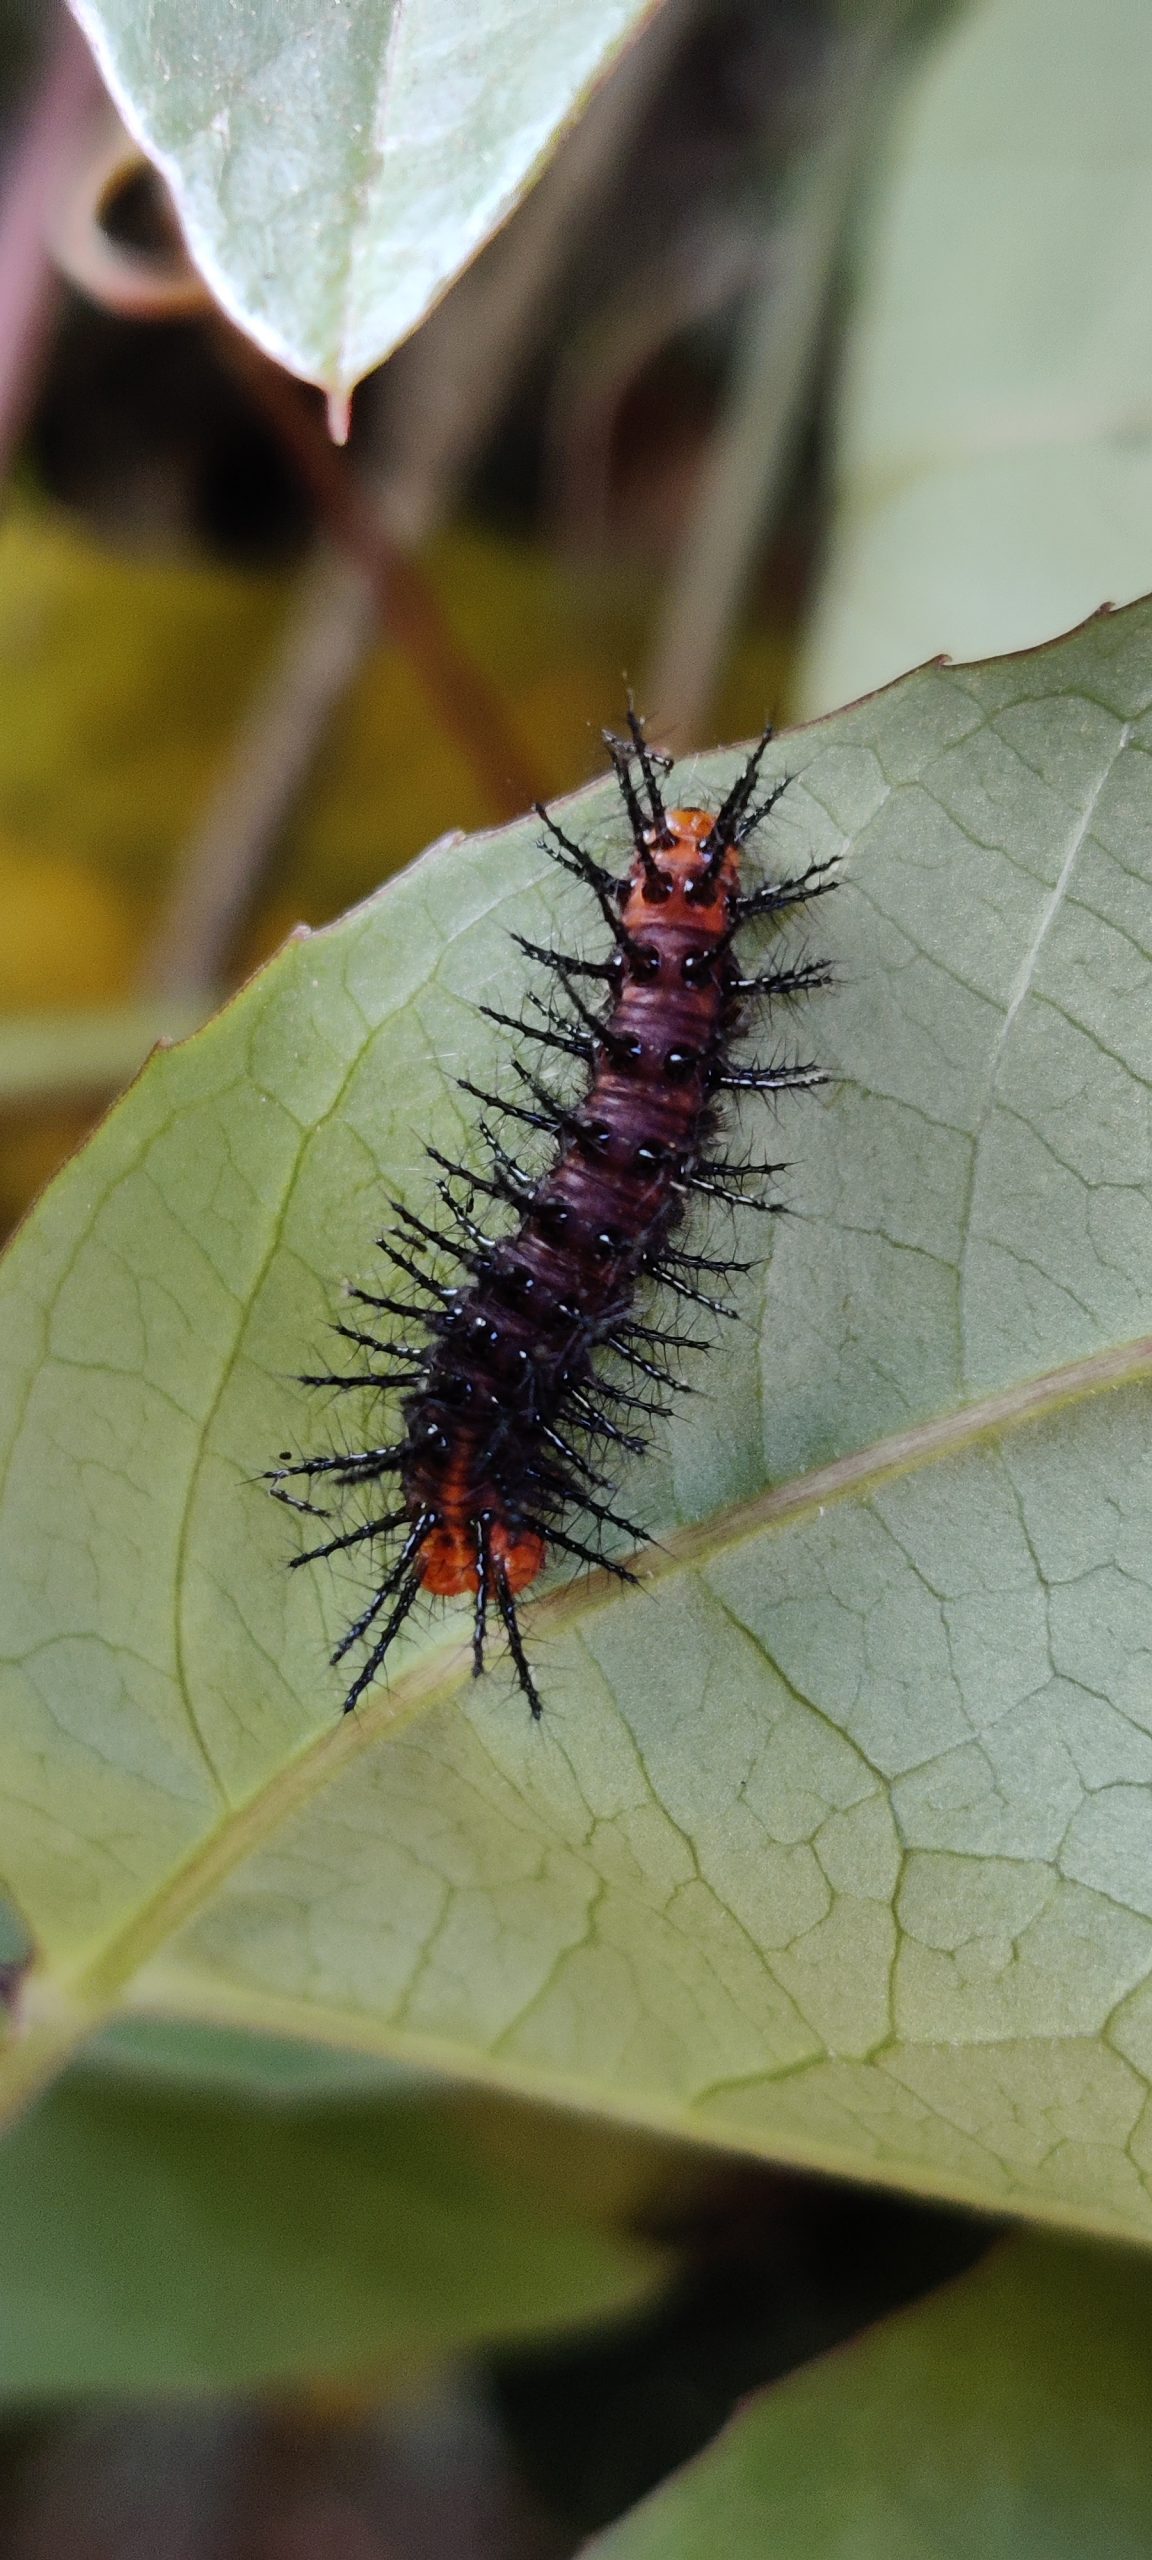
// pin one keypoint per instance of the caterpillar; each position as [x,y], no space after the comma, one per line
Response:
[522,1376]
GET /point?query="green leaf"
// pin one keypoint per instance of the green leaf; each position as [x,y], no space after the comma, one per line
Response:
[1006,2418]
[153,2242]
[334,169]
[835,1842]
[994,459]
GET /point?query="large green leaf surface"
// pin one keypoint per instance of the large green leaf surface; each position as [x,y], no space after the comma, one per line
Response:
[1006,2418]
[154,2241]
[836,1839]
[994,458]
[335,168]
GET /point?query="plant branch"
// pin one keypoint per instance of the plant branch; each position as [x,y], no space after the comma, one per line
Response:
[222,863]
[746,476]
[60,104]
[468,707]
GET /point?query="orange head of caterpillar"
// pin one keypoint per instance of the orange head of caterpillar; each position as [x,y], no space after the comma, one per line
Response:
[683,869]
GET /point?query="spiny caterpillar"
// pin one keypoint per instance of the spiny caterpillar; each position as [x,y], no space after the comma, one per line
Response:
[520,1380]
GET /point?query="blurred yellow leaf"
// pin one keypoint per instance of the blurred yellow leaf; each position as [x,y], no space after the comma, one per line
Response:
[68,938]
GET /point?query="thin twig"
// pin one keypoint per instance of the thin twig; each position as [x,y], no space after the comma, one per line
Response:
[690,280]
[222,863]
[439,394]
[747,472]
[467,706]
[65,94]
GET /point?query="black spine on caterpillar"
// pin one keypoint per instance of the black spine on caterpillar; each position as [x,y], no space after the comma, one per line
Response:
[519,1382]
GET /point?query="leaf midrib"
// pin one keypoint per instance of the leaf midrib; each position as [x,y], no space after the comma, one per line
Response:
[60,2014]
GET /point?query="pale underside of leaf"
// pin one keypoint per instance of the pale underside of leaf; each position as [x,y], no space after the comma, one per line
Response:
[836,1841]
[335,169]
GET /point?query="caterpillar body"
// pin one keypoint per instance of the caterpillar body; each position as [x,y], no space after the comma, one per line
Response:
[521,1380]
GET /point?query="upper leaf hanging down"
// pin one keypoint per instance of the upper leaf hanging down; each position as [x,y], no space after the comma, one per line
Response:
[334,167]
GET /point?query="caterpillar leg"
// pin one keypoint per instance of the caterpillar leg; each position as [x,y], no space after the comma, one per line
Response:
[507,1607]
[483,1587]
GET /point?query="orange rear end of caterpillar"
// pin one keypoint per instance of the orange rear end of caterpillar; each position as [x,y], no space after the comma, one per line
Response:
[450,1558]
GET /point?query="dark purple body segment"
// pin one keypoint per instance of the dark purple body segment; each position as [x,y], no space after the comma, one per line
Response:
[535,1365]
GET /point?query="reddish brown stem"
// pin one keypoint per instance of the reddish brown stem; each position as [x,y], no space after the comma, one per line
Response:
[407,605]
[60,101]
